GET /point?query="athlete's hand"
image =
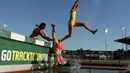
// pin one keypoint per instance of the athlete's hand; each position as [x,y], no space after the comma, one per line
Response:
[77,0]
[53,25]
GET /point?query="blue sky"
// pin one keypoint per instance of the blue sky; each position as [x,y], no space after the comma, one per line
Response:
[22,15]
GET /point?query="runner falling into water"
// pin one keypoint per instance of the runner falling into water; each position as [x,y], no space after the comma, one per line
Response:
[72,23]
[58,47]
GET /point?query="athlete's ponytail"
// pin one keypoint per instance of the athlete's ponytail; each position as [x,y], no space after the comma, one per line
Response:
[41,26]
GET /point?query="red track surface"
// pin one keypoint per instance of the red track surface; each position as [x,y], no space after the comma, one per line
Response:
[25,71]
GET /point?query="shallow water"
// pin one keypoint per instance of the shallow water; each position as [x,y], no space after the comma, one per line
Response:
[82,71]
[100,71]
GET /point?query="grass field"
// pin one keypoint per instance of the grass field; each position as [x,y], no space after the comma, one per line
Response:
[109,62]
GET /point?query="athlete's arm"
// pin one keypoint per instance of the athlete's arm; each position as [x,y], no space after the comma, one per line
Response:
[44,35]
[47,38]
[74,6]
[54,34]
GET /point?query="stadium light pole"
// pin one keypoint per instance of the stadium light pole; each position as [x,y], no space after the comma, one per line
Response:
[122,30]
[5,26]
[106,30]
[126,36]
